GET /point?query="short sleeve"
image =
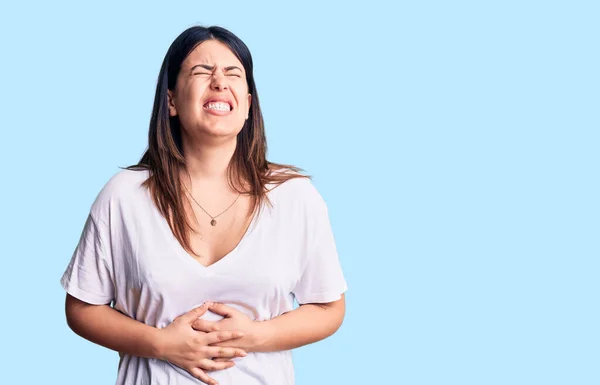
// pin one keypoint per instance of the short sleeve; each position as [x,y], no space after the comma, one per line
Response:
[322,279]
[89,275]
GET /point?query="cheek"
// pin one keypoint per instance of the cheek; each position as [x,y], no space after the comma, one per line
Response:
[243,102]
[191,88]
[188,101]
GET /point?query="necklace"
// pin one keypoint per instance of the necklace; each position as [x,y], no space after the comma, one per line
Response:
[213,221]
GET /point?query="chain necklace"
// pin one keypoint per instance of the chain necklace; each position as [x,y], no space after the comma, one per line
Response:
[213,221]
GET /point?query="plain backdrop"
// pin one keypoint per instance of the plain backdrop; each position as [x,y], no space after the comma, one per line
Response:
[455,143]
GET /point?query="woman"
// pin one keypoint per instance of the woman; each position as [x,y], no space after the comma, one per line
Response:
[203,245]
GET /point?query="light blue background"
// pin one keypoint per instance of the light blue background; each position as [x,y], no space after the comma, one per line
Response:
[455,143]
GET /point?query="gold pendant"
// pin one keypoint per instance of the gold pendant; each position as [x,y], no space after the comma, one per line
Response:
[213,223]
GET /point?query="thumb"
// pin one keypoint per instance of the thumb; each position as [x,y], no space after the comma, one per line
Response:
[195,313]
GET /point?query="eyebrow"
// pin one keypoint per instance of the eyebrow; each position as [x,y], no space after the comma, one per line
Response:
[210,68]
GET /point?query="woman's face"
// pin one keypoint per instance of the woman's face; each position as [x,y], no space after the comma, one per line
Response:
[211,95]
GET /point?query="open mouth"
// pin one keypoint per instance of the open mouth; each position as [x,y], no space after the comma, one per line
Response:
[218,106]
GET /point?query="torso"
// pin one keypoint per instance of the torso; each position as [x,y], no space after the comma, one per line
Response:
[149,277]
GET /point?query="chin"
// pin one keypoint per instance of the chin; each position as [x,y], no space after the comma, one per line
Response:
[219,131]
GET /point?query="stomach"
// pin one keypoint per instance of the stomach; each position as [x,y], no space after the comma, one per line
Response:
[271,368]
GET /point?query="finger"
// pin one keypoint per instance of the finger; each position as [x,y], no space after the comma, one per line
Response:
[214,337]
[226,344]
[222,309]
[196,312]
[202,376]
[205,326]
[220,352]
[211,366]
[223,359]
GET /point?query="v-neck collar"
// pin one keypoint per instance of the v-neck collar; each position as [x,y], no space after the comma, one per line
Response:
[230,255]
[190,260]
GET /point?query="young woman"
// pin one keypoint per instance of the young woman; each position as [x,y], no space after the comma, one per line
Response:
[190,261]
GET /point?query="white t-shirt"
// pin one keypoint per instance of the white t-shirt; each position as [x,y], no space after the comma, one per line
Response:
[128,255]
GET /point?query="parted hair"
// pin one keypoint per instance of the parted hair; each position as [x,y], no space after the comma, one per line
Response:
[249,172]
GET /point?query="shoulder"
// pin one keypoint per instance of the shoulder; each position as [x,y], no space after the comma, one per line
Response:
[299,192]
[298,187]
[123,184]
[121,189]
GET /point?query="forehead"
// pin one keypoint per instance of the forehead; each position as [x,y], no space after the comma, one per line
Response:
[212,52]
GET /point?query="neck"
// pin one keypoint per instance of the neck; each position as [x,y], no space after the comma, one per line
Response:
[208,162]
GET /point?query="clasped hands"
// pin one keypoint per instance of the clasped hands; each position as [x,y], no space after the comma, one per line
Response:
[199,346]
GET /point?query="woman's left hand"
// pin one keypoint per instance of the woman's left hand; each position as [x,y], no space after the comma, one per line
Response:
[233,319]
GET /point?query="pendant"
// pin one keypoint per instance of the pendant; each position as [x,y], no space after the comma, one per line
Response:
[213,223]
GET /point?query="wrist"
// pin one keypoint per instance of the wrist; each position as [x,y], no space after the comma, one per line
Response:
[157,344]
[261,335]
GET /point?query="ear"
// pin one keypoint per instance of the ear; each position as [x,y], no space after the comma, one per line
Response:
[249,103]
[171,103]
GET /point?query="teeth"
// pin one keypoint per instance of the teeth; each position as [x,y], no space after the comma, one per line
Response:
[219,106]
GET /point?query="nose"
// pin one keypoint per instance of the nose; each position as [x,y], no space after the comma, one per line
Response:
[219,82]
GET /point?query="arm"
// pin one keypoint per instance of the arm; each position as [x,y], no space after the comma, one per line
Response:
[305,325]
[107,327]
[177,343]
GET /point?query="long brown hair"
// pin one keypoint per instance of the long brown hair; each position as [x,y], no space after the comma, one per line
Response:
[248,172]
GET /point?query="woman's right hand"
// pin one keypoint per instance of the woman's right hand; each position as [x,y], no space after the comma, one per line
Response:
[189,349]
